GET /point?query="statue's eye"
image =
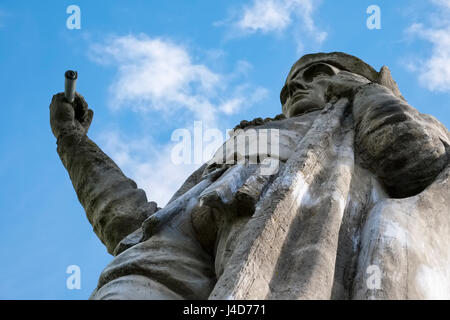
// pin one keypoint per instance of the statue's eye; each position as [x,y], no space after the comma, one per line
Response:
[321,74]
[318,70]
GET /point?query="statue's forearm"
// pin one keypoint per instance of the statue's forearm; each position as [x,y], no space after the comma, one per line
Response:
[404,148]
[114,205]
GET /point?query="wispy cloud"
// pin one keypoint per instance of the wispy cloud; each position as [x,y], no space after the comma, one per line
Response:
[274,16]
[434,71]
[265,16]
[158,74]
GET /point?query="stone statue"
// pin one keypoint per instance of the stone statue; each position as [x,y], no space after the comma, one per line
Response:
[358,208]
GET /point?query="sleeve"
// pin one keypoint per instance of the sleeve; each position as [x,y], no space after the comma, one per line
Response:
[114,205]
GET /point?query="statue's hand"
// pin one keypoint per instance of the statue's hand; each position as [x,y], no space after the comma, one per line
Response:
[345,85]
[404,148]
[66,117]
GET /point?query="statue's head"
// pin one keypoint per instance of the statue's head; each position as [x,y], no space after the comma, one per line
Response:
[307,84]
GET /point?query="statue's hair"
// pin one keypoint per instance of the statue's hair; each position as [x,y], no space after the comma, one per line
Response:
[348,63]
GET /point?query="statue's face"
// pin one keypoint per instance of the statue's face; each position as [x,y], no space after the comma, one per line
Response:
[306,89]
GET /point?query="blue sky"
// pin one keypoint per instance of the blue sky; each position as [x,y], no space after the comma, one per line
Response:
[147,68]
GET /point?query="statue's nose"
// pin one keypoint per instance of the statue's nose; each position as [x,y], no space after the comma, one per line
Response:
[293,86]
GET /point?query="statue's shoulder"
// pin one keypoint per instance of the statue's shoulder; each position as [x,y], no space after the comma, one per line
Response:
[191,181]
[244,124]
[299,124]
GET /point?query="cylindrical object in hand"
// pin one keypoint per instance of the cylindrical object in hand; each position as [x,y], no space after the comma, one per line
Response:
[70,85]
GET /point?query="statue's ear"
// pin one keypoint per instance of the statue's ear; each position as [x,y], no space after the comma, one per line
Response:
[385,79]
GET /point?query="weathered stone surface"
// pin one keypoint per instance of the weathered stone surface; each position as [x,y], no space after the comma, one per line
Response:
[362,184]
[408,240]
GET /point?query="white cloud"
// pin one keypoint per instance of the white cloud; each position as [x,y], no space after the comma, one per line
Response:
[265,15]
[277,15]
[230,106]
[157,74]
[434,71]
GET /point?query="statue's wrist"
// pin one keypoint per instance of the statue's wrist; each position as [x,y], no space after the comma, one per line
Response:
[69,137]
[370,91]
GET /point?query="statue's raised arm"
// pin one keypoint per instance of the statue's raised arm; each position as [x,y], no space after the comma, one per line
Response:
[114,205]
